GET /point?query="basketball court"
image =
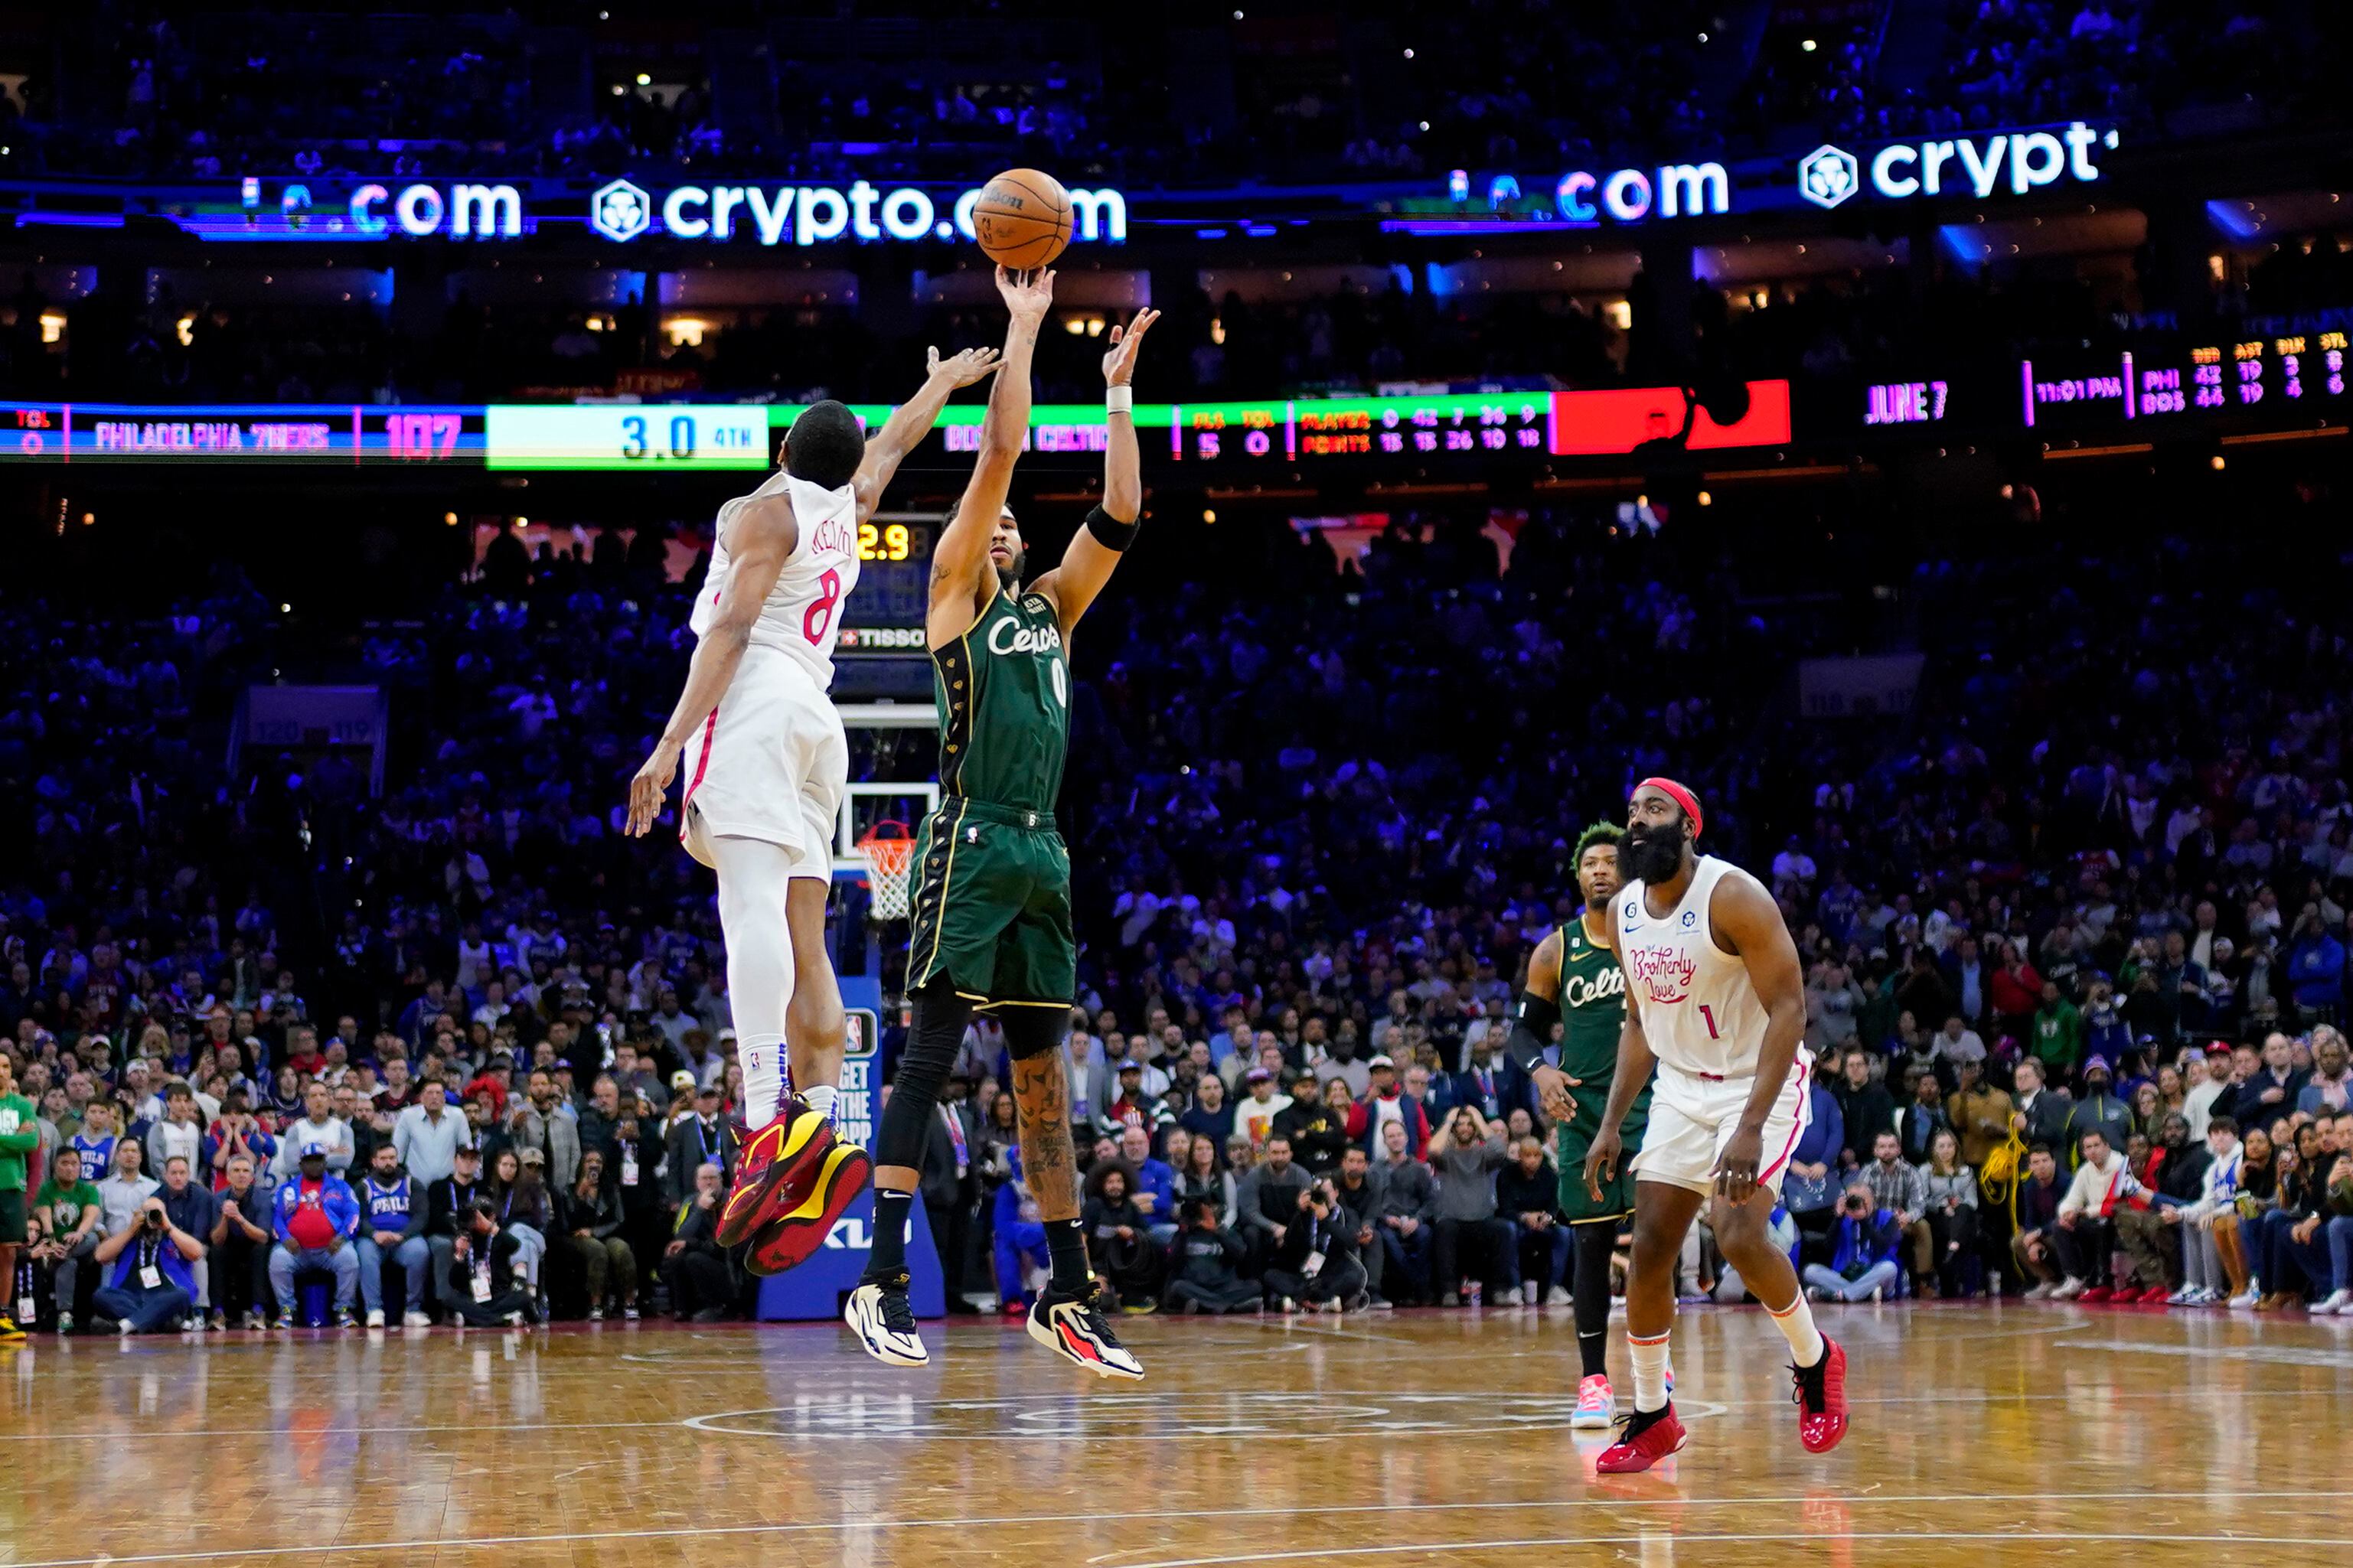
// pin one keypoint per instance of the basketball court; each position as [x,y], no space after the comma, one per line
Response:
[2005,1434]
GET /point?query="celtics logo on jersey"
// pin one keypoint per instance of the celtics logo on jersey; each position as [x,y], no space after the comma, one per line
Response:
[1597,988]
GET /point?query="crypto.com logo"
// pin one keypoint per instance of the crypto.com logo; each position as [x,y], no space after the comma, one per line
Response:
[620,210]
[1828,175]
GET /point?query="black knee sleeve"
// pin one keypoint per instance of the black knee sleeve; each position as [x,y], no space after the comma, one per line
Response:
[936,1034]
[1033,1031]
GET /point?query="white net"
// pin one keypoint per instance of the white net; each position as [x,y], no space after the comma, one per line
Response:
[889,864]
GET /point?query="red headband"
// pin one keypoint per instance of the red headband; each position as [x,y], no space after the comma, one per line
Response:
[1681,796]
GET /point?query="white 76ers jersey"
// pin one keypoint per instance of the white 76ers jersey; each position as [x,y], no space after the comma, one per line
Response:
[802,615]
[1699,1009]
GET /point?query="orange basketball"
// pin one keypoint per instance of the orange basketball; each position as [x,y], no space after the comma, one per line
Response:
[1022,219]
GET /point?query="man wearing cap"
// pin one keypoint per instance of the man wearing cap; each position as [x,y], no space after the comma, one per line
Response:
[705,1138]
[447,1204]
[1384,1101]
[2098,1111]
[314,1219]
[1255,1115]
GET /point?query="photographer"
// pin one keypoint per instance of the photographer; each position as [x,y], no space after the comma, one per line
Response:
[1209,1257]
[1316,1264]
[1862,1263]
[485,1288]
[152,1286]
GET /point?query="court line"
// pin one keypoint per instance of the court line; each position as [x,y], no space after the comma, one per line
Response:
[1689,1538]
[109,1560]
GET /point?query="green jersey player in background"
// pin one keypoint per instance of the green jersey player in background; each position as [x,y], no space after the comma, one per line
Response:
[1574,982]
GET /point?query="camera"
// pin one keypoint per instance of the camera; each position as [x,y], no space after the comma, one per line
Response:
[1858,1205]
[155,1219]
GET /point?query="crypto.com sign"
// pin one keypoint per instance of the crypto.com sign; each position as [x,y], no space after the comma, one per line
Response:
[2019,161]
[622,210]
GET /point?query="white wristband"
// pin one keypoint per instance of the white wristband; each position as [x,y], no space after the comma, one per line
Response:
[1120,399]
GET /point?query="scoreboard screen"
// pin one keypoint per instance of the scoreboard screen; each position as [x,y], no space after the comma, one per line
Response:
[292,433]
[894,572]
[2294,371]
[1310,428]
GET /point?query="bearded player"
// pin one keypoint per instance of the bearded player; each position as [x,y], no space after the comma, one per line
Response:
[1574,982]
[990,928]
[771,765]
[1717,1003]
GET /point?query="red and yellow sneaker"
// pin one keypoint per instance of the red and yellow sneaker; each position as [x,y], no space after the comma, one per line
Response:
[778,1165]
[791,1237]
[1644,1438]
[1821,1399]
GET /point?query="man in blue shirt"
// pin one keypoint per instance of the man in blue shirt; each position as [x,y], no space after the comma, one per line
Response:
[1156,1186]
[315,1219]
[152,1285]
[392,1225]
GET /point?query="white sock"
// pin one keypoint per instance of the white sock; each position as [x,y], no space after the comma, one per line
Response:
[821,1098]
[1795,1322]
[1650,1372]
[763,1056]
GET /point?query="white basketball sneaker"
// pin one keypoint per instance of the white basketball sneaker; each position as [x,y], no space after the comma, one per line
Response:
[885,1324]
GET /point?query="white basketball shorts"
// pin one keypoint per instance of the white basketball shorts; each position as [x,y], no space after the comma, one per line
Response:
[1692,1116]
[772,763]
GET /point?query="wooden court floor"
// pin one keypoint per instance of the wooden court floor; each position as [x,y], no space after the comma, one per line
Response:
[1982,1433]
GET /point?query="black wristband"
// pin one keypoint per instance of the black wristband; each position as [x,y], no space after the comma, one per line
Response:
[1109,531]
[1531,1030]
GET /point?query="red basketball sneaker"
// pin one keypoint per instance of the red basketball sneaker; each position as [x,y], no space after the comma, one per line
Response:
[1821,1399]
[774,1175]
[1644,1438]
[791,1234]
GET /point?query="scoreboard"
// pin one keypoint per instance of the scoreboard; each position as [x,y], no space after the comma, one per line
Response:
[1310,428]
[2292,372]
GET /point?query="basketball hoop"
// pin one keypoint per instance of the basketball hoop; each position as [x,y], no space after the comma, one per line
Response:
[888,863]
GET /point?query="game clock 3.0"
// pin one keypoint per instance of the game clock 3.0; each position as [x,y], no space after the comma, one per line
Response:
[639,436]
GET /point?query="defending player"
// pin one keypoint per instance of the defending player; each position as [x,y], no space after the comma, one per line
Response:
[991,923]
[1716,1002]
[1574,981]
[771,763]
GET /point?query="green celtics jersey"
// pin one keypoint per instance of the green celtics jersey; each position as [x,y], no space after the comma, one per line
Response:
[1592,1005]
[1004,694]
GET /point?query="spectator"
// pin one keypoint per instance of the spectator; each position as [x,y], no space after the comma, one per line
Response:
[428,1135]
[1979,1113]
[127,1189]
[695,1265]
[240,1243]
[538,1120]
[1118,1241]
[1951,1210]
[65,1213]
[1862,1262]
[1900,1190]
[2329,1088]
[2034,1245]
[1155,1192]
[315,1220]
[2098,1111]
[1209,1257]
[317,1125]
[1923,1117]
[2055,1034]
[2211,1273]
[178,1133]
[445,1203]
[392,1229]
[1865,1108]
[2085,1236]
[1464,1209]
[592,1225]
[2042,1115]
[1016,1240]
[1809,1187]
[189,1207]
[1527,1193]
[152,1286]
[518,1186]
[704,1138]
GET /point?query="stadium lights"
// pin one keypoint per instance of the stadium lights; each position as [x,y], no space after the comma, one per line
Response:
[644,80]
[1808,46]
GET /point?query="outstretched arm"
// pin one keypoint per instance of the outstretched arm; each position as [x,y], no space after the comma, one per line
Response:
[962,554]
[1087,560]
[912,420]
[761,538]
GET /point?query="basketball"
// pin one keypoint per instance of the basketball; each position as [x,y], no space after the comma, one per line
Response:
[1022,219]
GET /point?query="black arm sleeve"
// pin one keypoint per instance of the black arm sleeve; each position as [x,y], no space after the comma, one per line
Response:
[1532,1025]
[1110,531]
